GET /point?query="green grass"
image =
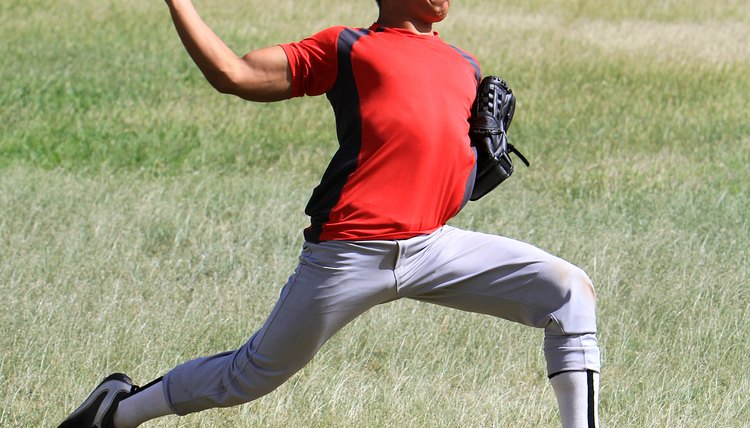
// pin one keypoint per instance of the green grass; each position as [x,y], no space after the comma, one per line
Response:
[146,220]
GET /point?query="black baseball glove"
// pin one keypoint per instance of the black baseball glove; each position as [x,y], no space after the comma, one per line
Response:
[490,119]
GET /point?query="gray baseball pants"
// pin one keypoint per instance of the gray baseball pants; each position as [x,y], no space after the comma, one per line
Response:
[337,281]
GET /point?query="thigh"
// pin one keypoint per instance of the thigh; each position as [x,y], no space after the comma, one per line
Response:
[502,277]
[333,284]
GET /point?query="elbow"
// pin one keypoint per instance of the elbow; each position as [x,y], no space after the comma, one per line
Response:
[222,82]
[224,77]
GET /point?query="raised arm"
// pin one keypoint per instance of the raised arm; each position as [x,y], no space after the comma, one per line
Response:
[261,75]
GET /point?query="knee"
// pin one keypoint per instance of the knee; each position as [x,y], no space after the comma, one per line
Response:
[567,280]
[574,311]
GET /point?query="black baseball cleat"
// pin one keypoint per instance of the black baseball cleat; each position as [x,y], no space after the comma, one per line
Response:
[99,408]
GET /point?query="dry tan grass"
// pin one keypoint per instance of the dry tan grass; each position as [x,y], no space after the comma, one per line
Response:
[715,43]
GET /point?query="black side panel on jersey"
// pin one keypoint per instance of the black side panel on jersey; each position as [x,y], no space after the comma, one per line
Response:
[344,99]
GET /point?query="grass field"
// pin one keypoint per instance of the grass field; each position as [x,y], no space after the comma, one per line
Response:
[146,220]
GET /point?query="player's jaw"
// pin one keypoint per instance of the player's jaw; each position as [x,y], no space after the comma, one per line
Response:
[441,7]
[431,10]
[421,13]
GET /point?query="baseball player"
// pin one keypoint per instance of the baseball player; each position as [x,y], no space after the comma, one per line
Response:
[405,165]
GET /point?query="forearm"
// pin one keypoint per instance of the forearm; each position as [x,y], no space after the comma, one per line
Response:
[214,58]
[261,75]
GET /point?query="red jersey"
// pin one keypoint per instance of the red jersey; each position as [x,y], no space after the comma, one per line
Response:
[402,101]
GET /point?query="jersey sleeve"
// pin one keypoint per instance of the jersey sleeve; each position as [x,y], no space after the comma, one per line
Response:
[313,62]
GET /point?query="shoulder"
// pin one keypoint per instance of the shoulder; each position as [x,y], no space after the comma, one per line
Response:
[330,34]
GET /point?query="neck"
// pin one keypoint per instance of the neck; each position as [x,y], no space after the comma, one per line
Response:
[406,24]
